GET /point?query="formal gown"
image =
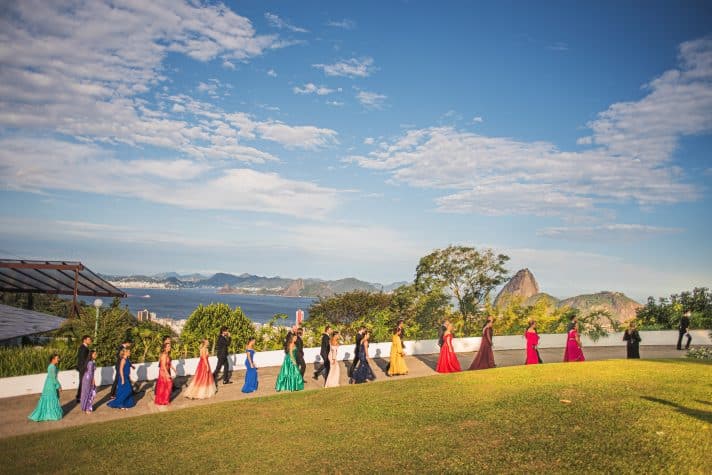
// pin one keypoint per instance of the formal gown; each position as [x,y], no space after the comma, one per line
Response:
[202,386]
[88,388]
[164,385]
[48,407]
[289,378]
[363,371]
[485,356]
[532,342]
[124,391]
[332,380]
[573,351]
[251,382]
[447,363]
[632,339]
[397,360]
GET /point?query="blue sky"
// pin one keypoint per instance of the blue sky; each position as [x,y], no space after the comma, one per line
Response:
[326,139]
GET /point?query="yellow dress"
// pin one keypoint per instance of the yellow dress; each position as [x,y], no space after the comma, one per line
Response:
[397,358]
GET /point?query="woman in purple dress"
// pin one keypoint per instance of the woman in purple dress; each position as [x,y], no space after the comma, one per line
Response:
[89,385]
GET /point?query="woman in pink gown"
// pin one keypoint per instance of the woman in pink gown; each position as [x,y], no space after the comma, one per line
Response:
[574,351]
[164,383]
[448,363]
[532,344]
[485,356]
[202,386]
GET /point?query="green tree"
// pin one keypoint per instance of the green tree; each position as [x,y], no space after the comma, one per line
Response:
[206,321]
[421,312]
[342,311]
[468,274]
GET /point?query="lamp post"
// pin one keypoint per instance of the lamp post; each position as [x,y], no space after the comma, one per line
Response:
[97,305]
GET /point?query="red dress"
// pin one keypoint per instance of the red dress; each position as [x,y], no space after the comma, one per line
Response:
[485,355]
[164,385]
[532,342]
[573,350]
[202,386]
[447,363]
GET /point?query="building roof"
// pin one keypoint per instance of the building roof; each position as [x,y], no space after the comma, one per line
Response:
[53,277]
[16,322]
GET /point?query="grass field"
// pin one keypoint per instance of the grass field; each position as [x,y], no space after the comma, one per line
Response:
[623,417]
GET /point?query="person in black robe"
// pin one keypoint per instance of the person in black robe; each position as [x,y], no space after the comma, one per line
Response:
[324,351]
[632,338]
[683,330]
[300,352]
[359,337]
[82,360]
[221,350]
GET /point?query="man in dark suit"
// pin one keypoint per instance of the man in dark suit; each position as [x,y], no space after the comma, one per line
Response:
[324,353]
[82,360]
[300,352]
[221,350]
[683,330]
[359,337]
[122,346]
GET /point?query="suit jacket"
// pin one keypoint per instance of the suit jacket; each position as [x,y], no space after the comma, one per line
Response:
[325,346]
[221,348]
[300,348]
[684,324]
[82,358]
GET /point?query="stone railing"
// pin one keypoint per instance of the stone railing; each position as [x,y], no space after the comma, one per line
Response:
[32,384]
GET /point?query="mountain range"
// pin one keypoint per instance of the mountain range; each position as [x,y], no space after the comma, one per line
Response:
[253,284]
[524,286]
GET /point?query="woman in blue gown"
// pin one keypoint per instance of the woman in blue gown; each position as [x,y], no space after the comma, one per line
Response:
[48,407]
[124,392]
[251,373]
[363,371]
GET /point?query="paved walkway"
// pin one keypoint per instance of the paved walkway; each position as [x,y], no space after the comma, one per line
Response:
[15,410]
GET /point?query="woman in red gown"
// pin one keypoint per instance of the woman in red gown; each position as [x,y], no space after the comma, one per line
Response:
[532,344]
[164,383]
[447,363]
[574,351]
[485,355]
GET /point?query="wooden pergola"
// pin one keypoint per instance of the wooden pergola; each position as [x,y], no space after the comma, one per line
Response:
[54,277]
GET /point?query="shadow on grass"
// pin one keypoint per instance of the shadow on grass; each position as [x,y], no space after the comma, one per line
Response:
[704,416]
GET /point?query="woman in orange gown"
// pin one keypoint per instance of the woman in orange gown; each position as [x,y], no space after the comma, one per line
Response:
[164,383]
[448,363]
[202,386]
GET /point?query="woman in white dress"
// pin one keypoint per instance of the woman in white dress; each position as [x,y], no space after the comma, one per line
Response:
[332,380]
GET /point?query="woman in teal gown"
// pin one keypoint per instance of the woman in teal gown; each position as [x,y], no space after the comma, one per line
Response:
[290,379]
[48,407]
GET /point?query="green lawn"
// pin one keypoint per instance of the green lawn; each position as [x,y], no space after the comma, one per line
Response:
[623,417]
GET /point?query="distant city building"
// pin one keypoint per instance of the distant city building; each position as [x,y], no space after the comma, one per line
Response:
[143,315]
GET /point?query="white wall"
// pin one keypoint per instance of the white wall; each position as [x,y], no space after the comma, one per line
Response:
[32,384]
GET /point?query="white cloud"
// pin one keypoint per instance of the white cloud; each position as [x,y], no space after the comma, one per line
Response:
[335,103]
[558,46]
[278,22]
[369,141]
[371,100]
[477,120]
[311,88]
[272,73]
[32,165]
[344,24]
[354,67]
[630,160]
[608,232]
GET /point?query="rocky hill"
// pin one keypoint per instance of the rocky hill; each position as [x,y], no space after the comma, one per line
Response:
[525,286]
[522,285]
[616,303]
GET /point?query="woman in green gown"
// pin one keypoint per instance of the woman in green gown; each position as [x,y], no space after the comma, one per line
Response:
[290,379]
[48,407]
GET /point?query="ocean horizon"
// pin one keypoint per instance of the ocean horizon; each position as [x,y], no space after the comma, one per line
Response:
[178,304]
